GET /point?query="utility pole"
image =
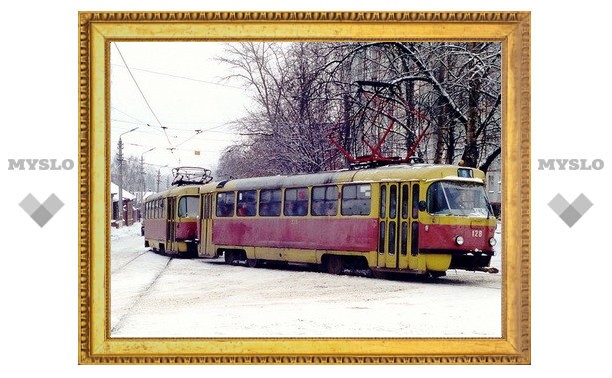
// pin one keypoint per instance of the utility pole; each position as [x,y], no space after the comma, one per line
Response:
[142,173]
[142,178]
[158,178]
[120,158]
[159,175]
[120,200]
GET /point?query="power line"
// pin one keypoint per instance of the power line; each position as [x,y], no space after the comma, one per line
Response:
[182,77]
[196,137]
[211,130]
[197,132]
[142,94]
[181,149]
[131,116]
[147,132]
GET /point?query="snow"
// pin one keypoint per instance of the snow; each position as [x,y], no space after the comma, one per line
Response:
[123,232]
[157,296]
[114,189]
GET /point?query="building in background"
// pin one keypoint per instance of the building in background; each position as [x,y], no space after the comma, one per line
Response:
[129,213]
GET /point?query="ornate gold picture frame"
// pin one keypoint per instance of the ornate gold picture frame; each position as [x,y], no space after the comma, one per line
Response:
[98,29]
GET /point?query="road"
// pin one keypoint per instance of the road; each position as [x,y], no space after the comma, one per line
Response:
[158,296]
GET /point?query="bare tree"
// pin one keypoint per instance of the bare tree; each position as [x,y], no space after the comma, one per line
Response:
[437,100]
[137,177]
[454,83]
[286,132]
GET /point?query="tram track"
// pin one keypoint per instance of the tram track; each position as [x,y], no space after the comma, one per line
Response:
[140,296]
[122,266]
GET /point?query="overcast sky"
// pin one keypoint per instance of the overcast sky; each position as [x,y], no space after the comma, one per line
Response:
[177,85]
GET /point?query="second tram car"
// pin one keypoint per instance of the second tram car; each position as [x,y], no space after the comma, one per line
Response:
[171,221]
[172,218]
[419,218]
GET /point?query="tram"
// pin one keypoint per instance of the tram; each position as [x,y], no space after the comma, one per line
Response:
[171,217]
[406,218]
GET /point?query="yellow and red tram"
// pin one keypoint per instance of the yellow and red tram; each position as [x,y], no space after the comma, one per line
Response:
[171,221]
[417,218]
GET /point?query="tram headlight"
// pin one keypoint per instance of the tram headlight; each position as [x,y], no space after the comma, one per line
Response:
[459,240]
[492,242]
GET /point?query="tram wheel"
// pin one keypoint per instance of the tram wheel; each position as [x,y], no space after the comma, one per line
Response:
[228,256]
[334,265]
[253,263]
[437,274]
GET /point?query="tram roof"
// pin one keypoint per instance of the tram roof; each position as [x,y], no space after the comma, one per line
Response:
[175,191]
[397,172]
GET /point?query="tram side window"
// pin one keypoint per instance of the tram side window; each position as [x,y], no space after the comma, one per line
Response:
[204,204]
[225,204]
[247,203]
[415,200]
[392,201]
[270,203]
[296,201]
[356,199]
[188,207]
[207,208]
[324,200]
[405,201]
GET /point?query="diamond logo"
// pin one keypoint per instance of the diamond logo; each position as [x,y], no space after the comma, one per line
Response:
[570,213]
[41,213]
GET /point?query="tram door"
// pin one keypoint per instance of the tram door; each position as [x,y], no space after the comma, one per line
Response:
[171,225]
[206,226]
[393,225]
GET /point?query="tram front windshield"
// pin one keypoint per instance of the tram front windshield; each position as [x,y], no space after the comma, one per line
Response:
[458,198]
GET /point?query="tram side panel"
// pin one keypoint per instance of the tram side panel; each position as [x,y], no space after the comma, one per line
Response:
[308,233]
[154,233]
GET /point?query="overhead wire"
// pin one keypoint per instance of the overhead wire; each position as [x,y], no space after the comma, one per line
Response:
[197,136]
[144,97]
[165,128]
[138,121]
[183,77]
[210,129]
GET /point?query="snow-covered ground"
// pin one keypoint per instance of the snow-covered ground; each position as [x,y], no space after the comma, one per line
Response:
[157,296]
